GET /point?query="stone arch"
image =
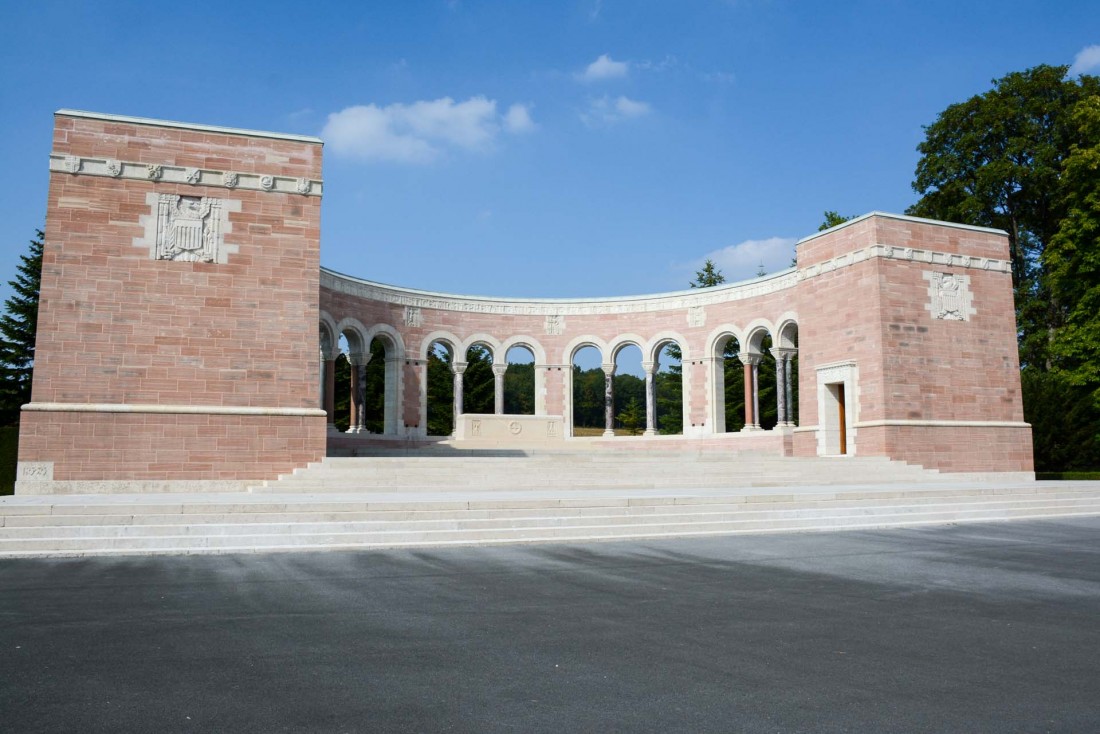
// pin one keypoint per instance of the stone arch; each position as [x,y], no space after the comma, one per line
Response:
[625,340]
[524,341]
[786,341]
[722,375]
[539,367]
[586,340]
[353,330]
[569,354]
[479,379]
[656,402]
[453,345]
[446,338]
[786,334]
[383,376]
[759,338]
[491,343]
[754,335]
[652,350]
[327,328]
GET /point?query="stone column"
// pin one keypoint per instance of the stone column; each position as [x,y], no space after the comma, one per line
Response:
[750,363]
[789,379]
[608,399]
[498,387]
[459,369]
[358,361]
[756,393]
[650,398]
[780,393]
[783,378]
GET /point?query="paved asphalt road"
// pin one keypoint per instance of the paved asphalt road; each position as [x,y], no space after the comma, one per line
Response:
[971,628]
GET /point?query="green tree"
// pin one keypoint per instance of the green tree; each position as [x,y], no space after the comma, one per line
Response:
[441,393]
[632,417]
[1025,157]
[709,276]
[1072,257]
[832,219]
[997,160]
[18,331]
[519,389]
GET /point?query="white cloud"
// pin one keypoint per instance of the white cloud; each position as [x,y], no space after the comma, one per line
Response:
[608,111]
[719,77]
[743,260]
[604,68]
[518,119]
[1087,60]
[420,132]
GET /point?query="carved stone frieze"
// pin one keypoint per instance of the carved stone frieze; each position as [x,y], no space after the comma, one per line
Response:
[555,325]
[87,166]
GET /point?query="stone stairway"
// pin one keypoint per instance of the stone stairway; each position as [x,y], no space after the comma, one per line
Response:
[455,498]
[451,470]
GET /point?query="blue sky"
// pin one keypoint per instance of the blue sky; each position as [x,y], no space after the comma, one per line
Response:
[573,148]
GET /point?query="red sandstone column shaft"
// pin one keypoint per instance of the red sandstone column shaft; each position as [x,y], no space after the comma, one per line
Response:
[352,407]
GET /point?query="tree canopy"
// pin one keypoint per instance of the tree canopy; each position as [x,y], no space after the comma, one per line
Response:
[1025,157]
[18,331]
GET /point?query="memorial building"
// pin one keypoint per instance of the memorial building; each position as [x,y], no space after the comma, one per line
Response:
[188,334]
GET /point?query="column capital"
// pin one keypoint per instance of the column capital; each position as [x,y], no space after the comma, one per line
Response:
[500,369]
[649,367]
[459,367]
[327,353]
[608,368]
[747,359]
[359,359]
[785,352]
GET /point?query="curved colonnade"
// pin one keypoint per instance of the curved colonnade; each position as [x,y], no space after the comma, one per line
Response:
[409,322]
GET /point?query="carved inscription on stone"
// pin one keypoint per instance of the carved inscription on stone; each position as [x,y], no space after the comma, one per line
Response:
[697,316]
[949,296]
[475,428]
[555,325]
[188,228]
[413,317]
[193,175]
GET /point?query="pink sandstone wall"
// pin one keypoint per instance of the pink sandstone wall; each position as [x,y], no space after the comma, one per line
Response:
[942,393]
[119,328]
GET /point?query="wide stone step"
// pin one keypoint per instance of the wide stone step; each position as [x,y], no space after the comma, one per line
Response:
[542,532]
[227,525]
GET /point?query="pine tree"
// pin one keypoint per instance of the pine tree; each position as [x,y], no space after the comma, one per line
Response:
[18,329]
[708,277]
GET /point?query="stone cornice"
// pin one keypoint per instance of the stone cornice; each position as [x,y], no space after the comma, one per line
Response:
[907,254]
[556,306]
[190,126]
[178,409]
[901,218]
[694,298]
[164,173]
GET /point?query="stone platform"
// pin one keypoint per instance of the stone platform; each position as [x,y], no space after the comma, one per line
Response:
[470,498]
